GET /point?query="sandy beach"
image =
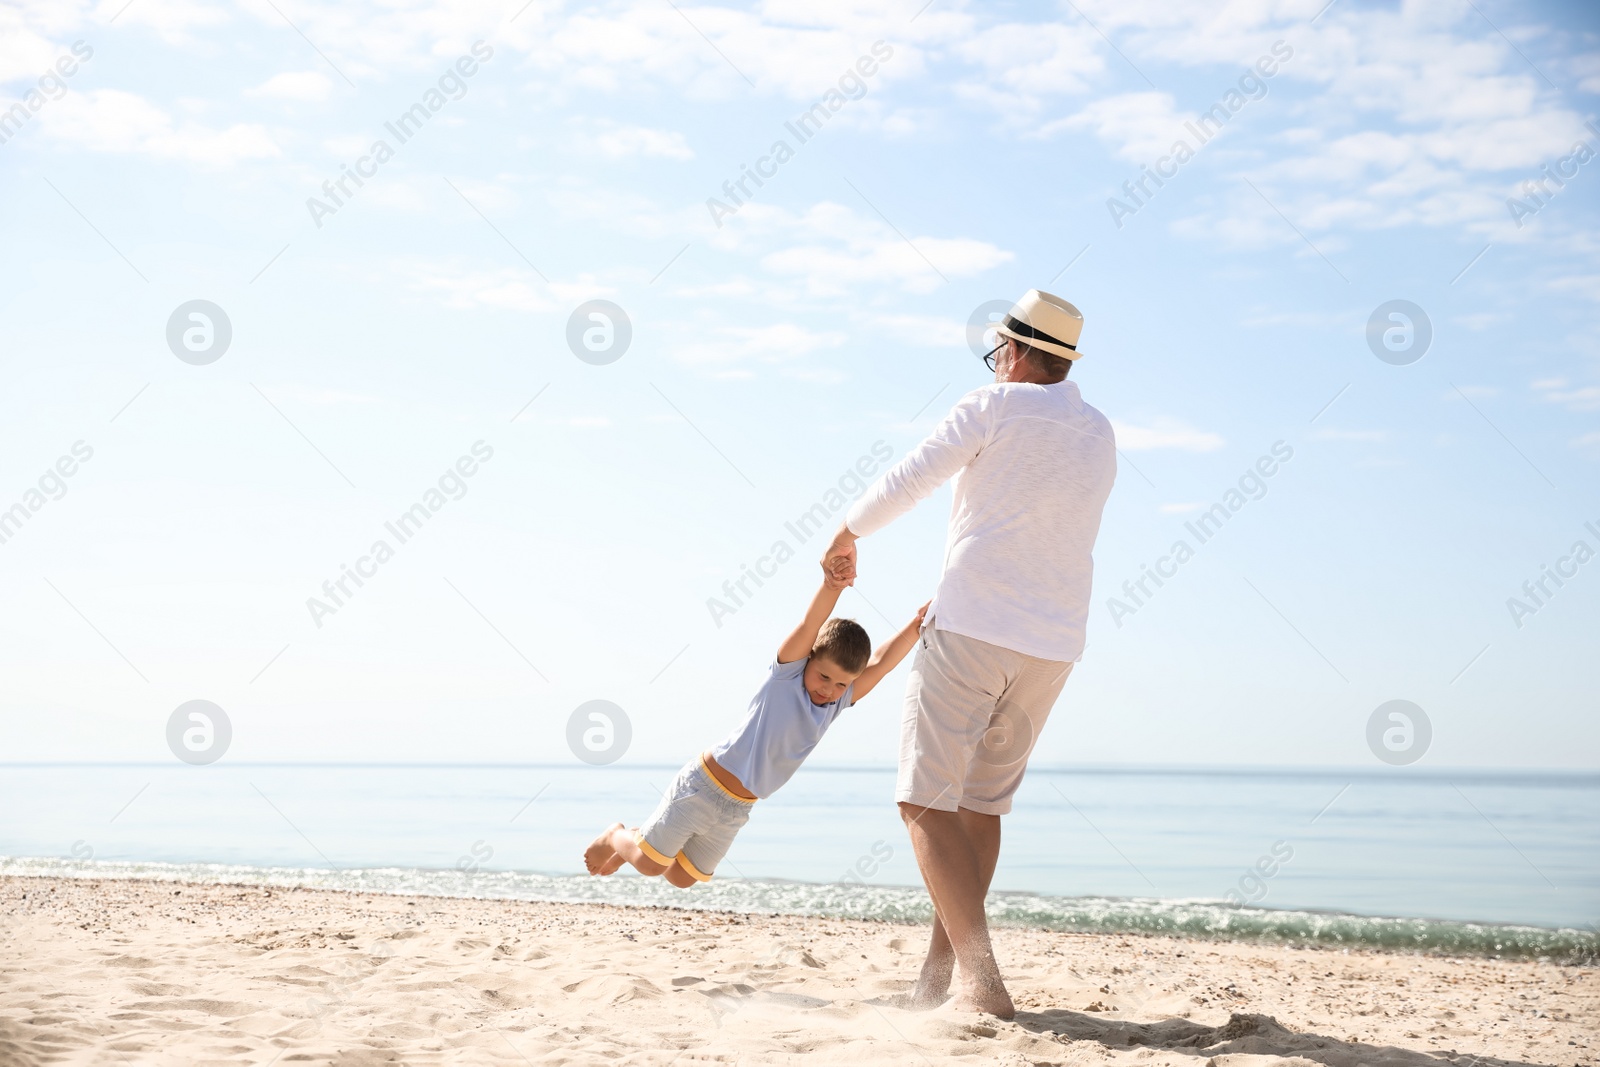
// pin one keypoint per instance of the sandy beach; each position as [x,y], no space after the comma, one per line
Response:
[103,972]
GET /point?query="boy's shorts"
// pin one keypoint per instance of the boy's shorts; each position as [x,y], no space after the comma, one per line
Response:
[696,822]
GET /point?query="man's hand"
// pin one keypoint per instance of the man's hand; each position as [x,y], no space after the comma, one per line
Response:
[840,556]
[838,573]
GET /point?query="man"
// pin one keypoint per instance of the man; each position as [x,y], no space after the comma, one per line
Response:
[1033,465]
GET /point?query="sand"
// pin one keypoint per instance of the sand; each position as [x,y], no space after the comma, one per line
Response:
[125,972]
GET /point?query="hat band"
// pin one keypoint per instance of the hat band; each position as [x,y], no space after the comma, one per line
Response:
[1018,326]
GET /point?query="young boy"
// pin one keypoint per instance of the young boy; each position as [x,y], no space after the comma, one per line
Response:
[822,668]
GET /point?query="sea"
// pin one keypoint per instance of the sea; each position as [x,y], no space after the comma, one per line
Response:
[1492,863]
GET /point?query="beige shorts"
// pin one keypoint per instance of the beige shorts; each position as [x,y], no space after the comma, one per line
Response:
[972,714]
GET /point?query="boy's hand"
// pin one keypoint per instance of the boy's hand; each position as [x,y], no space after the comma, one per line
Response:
[888,656]
[837,573]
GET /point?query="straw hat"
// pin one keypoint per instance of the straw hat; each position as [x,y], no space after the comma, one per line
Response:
[1045,322]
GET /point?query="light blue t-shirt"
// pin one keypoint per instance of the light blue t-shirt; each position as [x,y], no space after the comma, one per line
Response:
[780,731]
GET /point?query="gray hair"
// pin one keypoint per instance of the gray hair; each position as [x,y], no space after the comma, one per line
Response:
[1055,367]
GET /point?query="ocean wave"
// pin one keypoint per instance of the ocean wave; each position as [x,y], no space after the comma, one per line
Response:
[1104,915]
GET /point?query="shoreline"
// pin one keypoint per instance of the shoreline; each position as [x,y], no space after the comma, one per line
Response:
[1197,919]
[253,974]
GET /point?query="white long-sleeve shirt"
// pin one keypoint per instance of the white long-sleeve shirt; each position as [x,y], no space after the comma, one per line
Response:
[1033,465]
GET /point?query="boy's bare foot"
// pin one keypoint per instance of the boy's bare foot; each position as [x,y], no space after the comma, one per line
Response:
[600,857]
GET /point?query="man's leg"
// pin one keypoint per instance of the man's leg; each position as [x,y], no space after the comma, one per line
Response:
[992,777]
[953,870]
[933,984]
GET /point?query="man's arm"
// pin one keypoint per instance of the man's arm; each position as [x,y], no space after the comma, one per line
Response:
[954,444]
[889,656]
[798,644]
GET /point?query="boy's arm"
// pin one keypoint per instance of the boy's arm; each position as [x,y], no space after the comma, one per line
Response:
[798,644]
[889,656]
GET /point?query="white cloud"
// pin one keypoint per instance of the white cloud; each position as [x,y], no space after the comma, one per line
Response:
[817,375]
[1587,67]
[371,43]
[173,20]
[324,397]
[910,121]
[110,120]
[799,58]
[1143,125]
[400,194]
[509,289]
[294,85]
[628,211]
[1479,321]
[1421,116]
[1019,65]
[732,288]
[26,50]
[1558,391]
[1304,319]
[1164,434]
[911,331]
[347,146]
[1368,436]
[842,252]
[491,197]
[920,266]
[584,288]
[1585,285]
[725,346]
[619,142]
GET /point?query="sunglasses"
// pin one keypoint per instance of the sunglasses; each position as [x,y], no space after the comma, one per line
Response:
[989,356]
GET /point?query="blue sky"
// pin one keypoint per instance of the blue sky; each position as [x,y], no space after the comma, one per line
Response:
[776,345]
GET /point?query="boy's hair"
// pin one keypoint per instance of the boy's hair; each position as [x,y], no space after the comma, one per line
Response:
[845,643]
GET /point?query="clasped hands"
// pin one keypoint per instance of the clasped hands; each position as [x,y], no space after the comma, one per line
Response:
[839,560]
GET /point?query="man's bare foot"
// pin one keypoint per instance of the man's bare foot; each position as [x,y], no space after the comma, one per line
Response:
[989,999]
[932,988]
[600,857]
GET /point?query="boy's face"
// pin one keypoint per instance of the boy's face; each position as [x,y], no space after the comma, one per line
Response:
[825,680]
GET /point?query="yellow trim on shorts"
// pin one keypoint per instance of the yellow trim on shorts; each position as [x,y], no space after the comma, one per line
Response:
[650,850]
[730,794]
[694,872]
